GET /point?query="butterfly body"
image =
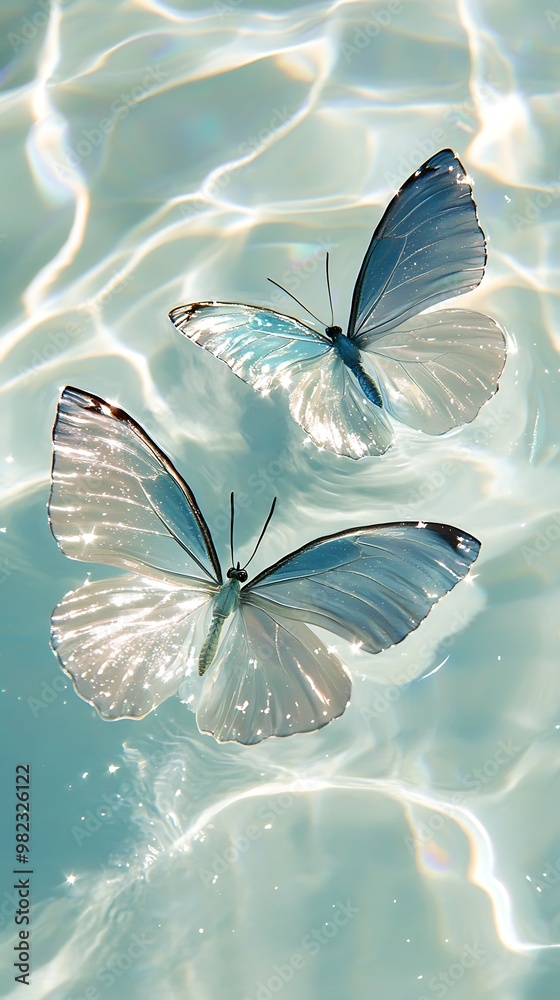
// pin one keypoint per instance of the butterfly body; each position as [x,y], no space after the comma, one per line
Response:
[132,641]
[431,370]
[224,604]
[351,356]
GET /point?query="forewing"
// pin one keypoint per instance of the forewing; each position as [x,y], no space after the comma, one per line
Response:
[117,499]
[437,370]
[262,347]
[330,405]
[427,247]
[371,585]
[271,677]
[126,643]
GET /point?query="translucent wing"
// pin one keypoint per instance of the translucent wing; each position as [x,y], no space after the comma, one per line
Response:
[328,402]
[262,347]
[117,499]
[371,585]
[427,247]
[267,349]
[126,643]
[437,370]
[271,677]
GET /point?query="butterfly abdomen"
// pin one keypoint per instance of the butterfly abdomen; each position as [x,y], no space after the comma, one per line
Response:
[210,644]
[225,603]
[347,350]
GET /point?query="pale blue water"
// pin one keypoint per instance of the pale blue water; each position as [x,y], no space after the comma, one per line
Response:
[419,825]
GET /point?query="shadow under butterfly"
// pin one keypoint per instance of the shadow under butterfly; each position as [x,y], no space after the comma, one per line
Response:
[431,371]
[243,646]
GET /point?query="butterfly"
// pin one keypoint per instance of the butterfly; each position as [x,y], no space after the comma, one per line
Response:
[129,642]
[432,371]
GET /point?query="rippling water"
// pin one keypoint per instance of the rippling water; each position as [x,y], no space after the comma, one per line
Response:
[154,154]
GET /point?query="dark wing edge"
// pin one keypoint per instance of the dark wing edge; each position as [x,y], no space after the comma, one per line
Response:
[448,532]
[180,315]
[99,405]
[426,167]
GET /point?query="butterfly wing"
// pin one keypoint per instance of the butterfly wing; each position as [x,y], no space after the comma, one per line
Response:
[117,499]
[427,247]
[330,405]
[261,346]
[271,677]
[267,349]
[371,585]
[437,370]
[127,643]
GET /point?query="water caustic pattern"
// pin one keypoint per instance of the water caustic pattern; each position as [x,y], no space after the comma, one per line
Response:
[158,154]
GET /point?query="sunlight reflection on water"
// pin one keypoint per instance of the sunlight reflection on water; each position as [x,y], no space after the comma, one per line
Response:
[157,155]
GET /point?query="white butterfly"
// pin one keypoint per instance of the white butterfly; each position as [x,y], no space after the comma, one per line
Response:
[129,642]
[432,371]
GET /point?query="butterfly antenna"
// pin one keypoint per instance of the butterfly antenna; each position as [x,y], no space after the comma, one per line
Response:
[266,524]
[329,288]
[231,528]
[296,300]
